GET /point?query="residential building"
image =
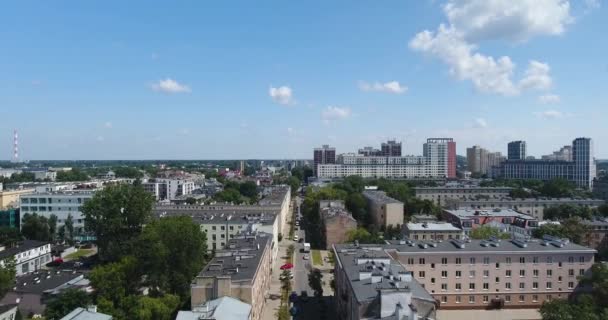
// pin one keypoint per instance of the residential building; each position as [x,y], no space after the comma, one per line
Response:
[224,308]
[323,155]
[10,218]
[370,152]
[597,236]
[391,148]
[531,206]
[581,170]
[34,290]
[469,219]
[438,231]
[89,313]
[441,195]
[419,218]
[241,271]
[153,188]
[516,150]
[440,154]
[481,161]
[564,154]
[600,188]
[8,312]
[371,284]
[10,198]
[336,222]
[385,211]
[61,204]
[109,175]
[170,188]
[7,173]
[29,255]
[494,274]
[45,175]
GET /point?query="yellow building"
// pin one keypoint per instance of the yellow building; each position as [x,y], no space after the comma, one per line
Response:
[10,198]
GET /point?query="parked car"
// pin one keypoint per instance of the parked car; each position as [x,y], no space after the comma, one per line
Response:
[283,277]
[295,237]
[306,257]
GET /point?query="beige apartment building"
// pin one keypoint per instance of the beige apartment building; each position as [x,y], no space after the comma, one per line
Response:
[10,198]
[385,211]
[432,231]
[241,271]
[488,274]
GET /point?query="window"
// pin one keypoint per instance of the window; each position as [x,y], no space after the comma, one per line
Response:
[548,297]
[559,264]
[471,286]
[231,228]
[507,298]
[486,260]
[471,299]
[213,228]
[433,280]
[444,299]
[432,266]
[410,260]
[571,272]
[458,274]
[535,260]
[486,286]
[570,285]
[458,299]
[522,298]
[458,287]
[549,285]
[522,285]
[549,273]
[421,274]
[444,286]
[570,259]
[223,227]
[444,274]
[535,273]
[534,285]
[534,298]
[522,259]
[581,272]
[497,280]
[471,273]
[497,265]
[508,285]
[559,279]
[508,260]
[444,261]
[472,260]
[458,261]
[522,273]
[508,273]
[581,259]
[421,261]
[486,273]
[549,260]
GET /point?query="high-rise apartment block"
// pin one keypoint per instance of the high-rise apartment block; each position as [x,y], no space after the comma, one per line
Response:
[481,161]
[323,155]
[581,170]
[516,150]
[441,154]
[391,148]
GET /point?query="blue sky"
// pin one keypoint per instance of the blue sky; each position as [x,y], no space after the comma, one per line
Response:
[273,79]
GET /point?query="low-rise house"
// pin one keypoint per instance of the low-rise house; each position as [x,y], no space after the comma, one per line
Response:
[469,219]
[432,231]
[441,195]
[336,222]
[28,255]
[224,308]
[241,271]
[89,313]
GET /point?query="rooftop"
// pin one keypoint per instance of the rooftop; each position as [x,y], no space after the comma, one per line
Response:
[215,217]
[6,307]
[432,226]
[224,308]
[84,314]
[275,196]
[22,246]
[465,187]
[40,282]
[465,213]
[535,200]
[379,196]
[240,258]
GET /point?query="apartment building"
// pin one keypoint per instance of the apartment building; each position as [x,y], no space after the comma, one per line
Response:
[10,198]
[336,222]
[600,188]
[391,148]
[440,195]
[241,271]
[170,188]
[438,231]
[29,255]
[495,274]
[516,150]
[530,206]
[62,204]
[371,284]
[506,220]
[385,211]
[323,155]
[481,161]
[597,236]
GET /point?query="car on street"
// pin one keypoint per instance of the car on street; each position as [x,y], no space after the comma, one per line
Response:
[306,257]
[283,277]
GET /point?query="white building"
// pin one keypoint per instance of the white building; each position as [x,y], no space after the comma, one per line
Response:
[44,175]
[29,255]
[172,188]
[61,204]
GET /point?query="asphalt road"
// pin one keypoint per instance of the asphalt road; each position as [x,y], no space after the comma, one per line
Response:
[302,267]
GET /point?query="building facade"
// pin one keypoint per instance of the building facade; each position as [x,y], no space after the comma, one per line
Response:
[10,218]
[516,150]
[29,255]
[597,234]
[385,211]
[241,271]
[323,155]
[441,195]
[506,220]
[481,161]
[391,148]
[336,222]
[10,198]
[437,231]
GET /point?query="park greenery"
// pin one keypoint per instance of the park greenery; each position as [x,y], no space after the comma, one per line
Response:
[237,193]
[315,281]
[41,228]
[556,188]
[487,232]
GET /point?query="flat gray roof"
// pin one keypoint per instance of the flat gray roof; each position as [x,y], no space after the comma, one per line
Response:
[477,213]
[21,246]
[432,226]
[379,196]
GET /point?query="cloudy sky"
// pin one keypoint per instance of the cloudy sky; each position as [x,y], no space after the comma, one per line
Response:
[273,79]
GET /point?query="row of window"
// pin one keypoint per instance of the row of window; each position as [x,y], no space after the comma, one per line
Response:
[508,273]
[486,260]
[52,200]
[486,299]
[486,286]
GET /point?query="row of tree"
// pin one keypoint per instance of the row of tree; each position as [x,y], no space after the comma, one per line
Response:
[235,192]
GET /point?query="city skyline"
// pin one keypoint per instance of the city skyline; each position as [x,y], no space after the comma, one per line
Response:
[205,81]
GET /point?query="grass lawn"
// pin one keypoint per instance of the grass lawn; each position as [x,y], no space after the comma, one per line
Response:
[316,257]
[79,253]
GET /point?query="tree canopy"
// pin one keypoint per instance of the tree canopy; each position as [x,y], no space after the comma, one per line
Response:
[7,276]
[35,227]
[486,231]
[65,302]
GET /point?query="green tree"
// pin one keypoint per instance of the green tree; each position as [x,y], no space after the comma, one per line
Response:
[7,276]
[69,228]
[73,175]
[570,228]
[127,172]
[172,251]
[228,195]
[485,232]
[9,236]
[113,282]
[357,205]
[154,308]
[315,281]
[190,201]
[64,303]
[362,236]
[294,183]
[249,189]
[61,233]
[520,193]
[557,309]
[35,227]
[116,215]
[52,225]
[558,188]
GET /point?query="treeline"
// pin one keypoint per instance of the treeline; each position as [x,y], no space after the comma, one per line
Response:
[556,188]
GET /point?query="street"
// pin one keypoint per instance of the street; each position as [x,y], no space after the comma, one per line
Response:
[301,266]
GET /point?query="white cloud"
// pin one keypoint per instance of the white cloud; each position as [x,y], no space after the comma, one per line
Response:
[550,114]
[388,87]
[592,4]
[481,123]
[335,113]
[108,124]
[170,86]
[549,98]
[474,21]
[519,20]
[536,76]
[281,95]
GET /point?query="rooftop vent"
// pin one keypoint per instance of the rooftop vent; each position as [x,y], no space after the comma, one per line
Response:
[519,243]
[458,243]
